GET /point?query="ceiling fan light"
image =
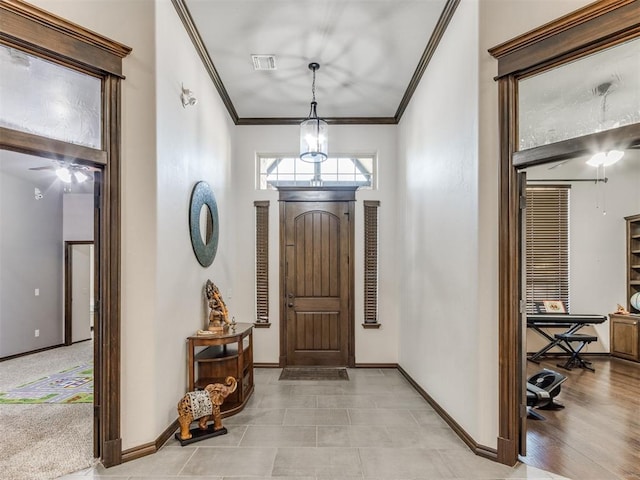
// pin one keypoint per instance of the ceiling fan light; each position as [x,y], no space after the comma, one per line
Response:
[80,176]
[597,159]
[64,174]
[605,158]
[613,156]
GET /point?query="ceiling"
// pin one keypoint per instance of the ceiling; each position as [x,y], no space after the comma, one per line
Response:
[372,54]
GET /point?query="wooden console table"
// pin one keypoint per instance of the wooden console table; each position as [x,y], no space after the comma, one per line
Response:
[212,358]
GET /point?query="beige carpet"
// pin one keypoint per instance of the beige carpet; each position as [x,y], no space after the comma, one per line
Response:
[45,441]
[39,442]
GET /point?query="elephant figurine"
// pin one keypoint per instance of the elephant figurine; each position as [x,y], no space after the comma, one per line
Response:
[203,404]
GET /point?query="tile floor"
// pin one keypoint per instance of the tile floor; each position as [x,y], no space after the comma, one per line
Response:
[374,426]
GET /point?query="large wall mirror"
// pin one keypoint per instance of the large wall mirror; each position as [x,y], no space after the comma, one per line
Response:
[203,223]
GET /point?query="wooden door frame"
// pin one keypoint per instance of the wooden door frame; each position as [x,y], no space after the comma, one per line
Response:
[312,194]
[37,32]
[593,28]
[68,286]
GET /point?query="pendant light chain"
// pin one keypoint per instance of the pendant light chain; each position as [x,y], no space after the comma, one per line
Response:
[312,111]
[313,85]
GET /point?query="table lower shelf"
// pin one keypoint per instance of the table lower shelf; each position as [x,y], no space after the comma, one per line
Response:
[232,404]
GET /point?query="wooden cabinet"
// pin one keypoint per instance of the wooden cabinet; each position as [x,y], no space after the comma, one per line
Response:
[633,259]
[625,329]
[212,358]
[625,340]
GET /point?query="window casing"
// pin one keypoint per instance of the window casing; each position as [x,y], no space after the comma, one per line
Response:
[547,245]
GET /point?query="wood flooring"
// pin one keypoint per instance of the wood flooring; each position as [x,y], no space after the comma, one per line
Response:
[597,435]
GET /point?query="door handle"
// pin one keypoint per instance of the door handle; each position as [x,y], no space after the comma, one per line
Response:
[290,305]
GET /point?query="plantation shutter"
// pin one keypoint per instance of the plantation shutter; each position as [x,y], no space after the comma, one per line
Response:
[371,264]
[547,245]
[262,262]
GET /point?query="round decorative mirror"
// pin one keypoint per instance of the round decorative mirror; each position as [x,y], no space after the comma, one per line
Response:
[203,223]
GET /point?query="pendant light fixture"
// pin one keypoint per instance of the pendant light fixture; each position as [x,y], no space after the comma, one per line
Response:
[313,131]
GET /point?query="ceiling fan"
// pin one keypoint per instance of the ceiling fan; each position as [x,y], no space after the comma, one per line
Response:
[69,172]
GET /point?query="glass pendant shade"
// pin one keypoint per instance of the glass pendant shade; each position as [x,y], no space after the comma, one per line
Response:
[80,177]
[70,176]
[314,132]
[64,174]
[314,140]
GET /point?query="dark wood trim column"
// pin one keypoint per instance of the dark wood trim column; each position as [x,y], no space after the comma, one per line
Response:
[110,253]
[593,28]
[33,30]
[508,340]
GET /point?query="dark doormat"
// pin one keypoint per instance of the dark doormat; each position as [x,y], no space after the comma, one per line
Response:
[313,373]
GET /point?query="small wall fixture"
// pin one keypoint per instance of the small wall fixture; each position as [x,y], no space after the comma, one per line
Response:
[314,132]
[187,97]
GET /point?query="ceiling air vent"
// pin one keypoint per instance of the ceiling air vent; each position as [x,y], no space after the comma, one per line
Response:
[264,62]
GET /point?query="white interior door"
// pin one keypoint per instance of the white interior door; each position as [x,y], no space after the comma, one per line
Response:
[81,291]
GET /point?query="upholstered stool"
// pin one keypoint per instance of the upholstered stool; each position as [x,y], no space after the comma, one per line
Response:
[575,360]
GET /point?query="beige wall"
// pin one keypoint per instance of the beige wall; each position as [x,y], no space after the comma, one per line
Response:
[442,341]
[165,150]
[448,144]
[499,20]
[139,216]
[597,233]
[372,346]
[446,204]
[31,256]
[193,144]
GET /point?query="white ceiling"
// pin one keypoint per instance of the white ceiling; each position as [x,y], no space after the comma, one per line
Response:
[368,51]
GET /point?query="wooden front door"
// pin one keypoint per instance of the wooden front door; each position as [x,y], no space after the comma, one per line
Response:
[317,312]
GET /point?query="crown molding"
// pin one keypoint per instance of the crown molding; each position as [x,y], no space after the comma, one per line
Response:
[434,40]
[192,31]
[23,24]
[438,32]
[330,121]
[615,20]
